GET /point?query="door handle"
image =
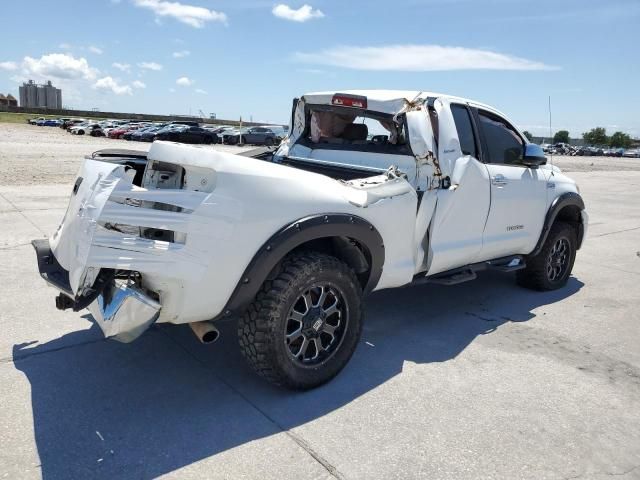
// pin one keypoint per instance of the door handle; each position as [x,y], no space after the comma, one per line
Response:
[499,180]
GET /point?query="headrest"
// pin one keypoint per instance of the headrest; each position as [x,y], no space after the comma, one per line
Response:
[355,131]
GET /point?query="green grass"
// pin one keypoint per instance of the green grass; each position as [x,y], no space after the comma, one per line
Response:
[6,117]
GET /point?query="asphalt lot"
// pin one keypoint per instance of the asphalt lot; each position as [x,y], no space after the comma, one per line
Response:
[481,380]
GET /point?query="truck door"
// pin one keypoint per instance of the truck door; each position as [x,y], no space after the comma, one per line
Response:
[462,209]
[518,193]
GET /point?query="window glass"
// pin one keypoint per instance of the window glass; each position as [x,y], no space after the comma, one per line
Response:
[465,130]
[504,144]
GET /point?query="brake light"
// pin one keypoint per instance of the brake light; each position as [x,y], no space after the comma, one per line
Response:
[345,100]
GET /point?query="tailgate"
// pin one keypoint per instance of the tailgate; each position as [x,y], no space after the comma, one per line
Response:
[71,242]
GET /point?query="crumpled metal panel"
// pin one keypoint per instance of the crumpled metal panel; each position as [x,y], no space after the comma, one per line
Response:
[71,243]
[124,312]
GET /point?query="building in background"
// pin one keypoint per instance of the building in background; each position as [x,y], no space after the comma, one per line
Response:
[8,101]
[33,95]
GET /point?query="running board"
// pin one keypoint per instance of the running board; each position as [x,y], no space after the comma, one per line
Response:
[468,272]
[453,278]
[507,264]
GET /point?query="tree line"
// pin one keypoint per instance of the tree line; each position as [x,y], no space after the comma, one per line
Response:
[595,136]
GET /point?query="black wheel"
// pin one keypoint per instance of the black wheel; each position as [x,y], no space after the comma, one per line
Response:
[207,141]
[268,142]
[304,325]
[550,269]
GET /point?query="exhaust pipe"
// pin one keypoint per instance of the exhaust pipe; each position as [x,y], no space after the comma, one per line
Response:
[205,331]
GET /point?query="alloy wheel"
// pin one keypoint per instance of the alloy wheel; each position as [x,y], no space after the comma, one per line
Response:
[558,259]
[315,325]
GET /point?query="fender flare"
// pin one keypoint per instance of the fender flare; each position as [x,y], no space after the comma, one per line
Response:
[291,236]
[567,199]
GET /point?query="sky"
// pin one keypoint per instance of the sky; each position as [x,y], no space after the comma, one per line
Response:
[250,58]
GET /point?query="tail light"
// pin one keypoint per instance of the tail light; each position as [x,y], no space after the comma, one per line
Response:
[346,100]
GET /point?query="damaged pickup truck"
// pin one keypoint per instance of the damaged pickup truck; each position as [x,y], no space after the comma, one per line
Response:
[370,190]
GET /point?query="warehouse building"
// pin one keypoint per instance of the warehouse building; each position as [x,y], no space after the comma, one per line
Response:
[33,95]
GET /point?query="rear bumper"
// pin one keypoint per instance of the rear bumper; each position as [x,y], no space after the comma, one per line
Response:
[50,270]
[122,311]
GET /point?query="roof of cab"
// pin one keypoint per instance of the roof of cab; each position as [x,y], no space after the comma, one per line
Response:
[389,101]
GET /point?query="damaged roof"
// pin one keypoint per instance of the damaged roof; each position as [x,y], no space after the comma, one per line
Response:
[387,101]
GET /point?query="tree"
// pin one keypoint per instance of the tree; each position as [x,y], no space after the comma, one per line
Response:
[528,135]
[620,139]
[561,136]
[596,136]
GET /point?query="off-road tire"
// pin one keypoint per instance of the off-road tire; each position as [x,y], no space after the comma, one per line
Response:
[535,276]
[262,329]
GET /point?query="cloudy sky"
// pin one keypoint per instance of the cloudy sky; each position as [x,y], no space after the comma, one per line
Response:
[251,57]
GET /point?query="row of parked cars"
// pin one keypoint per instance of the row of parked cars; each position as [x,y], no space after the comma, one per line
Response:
[176,131]
[589,151]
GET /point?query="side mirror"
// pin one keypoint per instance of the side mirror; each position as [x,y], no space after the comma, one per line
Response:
[533,156]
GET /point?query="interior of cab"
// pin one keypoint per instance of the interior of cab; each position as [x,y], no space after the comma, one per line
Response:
[340,128]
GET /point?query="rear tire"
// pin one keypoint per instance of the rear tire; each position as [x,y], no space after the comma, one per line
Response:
[551,267]
[268,142]
[304,325]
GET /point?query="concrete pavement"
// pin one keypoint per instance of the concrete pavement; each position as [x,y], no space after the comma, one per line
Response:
[479,380]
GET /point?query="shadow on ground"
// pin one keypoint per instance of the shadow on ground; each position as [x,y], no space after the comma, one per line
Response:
[103,409]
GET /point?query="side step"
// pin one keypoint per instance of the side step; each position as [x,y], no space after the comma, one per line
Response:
[507,264]
[464,274]
[452,278]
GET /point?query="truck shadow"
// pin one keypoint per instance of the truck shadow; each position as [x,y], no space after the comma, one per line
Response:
[103,409]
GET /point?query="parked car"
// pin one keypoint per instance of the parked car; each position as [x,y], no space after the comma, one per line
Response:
[67,124]
[52,122]
[186,134]
[583,152]
[34,121]
[278,130]
[132,131]
[118,132]
[251,136]
[632,153]
[84,128]
[616,152]
[146,134]
[289,247]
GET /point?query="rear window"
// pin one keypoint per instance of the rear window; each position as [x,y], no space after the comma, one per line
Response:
[344,128]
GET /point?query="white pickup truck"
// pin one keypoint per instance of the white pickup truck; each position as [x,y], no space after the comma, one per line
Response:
[370,190]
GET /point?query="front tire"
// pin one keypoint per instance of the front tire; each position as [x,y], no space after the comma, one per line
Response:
[551,267]
[305,324]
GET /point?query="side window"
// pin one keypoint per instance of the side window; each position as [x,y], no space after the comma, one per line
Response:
[465,130]
[503,142]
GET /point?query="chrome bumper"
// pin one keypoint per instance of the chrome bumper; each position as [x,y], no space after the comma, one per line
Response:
[124,312]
